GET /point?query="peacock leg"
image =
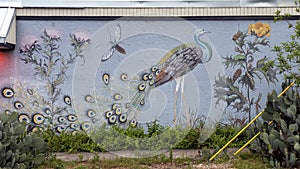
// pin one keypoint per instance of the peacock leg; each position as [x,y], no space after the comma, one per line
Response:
[185,107]
[177,80]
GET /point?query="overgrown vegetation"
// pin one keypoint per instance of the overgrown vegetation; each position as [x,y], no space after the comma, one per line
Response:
[24,150]
[71,143]
[159,136]
[280,130]
[288,53]
[222,135]
[19,149]
[250,161]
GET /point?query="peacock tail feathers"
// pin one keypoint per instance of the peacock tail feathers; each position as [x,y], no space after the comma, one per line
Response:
[128,94]
[38,112]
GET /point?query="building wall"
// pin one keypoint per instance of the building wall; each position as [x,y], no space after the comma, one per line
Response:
[156,11]
[56,77]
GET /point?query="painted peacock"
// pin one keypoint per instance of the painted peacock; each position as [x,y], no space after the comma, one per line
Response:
[172,66]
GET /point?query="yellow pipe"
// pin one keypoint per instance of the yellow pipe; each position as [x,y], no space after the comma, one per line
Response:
[286,89]
[240,132]
[252,139]
[252,121]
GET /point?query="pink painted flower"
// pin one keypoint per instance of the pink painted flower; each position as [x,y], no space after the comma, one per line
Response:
[81,36]
[27,42]
[53,33]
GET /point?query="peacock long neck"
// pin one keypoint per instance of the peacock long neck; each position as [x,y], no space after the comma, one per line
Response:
[206,49]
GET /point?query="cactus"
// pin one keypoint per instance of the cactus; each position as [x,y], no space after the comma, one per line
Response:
[19,149]
[279,140]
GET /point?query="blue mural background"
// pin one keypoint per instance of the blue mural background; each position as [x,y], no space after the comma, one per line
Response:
[145,41]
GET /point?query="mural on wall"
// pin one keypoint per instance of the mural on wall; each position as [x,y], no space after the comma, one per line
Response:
[172,66]
[239,89]
[131,72]
[129,75]
[116,45]
[38,109]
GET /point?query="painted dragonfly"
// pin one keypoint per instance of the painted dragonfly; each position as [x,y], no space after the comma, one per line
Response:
[115,46]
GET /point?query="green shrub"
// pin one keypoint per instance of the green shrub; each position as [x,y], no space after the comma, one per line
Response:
[117,138]
[190,141]
[279,140]
[288,53]
[17,148]
[154,128]
[222,135]
[154,137]
[68,142]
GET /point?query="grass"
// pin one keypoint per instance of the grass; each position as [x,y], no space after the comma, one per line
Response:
[249,160]
[245,160]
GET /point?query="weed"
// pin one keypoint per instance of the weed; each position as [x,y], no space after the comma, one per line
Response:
[80,157]
[53,162]
[95,159]
[81,167]
[171,154]
[250,161]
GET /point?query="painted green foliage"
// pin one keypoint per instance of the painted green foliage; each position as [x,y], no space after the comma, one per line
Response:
[48,62]
[237,89]
[50,66]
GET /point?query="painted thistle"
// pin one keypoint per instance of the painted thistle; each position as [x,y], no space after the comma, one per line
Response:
[238,90]
[50,65]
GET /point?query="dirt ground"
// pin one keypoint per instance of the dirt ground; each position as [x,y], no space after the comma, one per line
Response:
[176,154]
[116,154]
[198,166]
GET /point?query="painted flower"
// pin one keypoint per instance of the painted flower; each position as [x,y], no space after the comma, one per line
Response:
[259,29]
[28,43]
[53,33]
[81,36]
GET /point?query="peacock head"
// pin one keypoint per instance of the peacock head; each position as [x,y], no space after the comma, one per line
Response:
[204,46]
[200,32]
